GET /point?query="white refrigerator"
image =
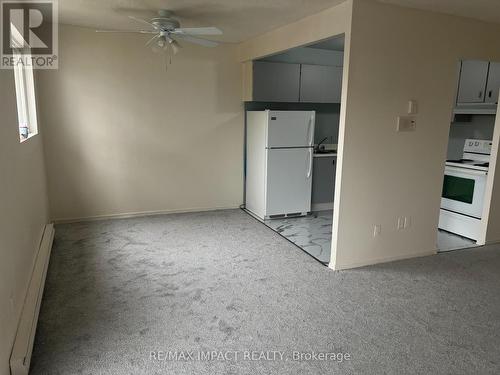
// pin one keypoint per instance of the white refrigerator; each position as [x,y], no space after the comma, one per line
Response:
[279,162]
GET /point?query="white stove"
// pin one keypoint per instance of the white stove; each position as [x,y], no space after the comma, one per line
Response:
[464,188]
[476,155]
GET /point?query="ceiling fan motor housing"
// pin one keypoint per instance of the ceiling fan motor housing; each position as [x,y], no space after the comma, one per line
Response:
[165,23]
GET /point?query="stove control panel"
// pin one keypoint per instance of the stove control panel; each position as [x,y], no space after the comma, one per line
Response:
[478,146]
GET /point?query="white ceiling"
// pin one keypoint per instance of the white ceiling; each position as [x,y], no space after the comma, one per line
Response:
[485,10]
[238,19]
[241,19]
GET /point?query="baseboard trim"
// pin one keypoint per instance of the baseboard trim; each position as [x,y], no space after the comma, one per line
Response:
[322,206]
[371,262]
[488,243]
[129,215]
[23,343]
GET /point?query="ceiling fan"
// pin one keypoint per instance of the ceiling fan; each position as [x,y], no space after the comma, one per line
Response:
[166,32]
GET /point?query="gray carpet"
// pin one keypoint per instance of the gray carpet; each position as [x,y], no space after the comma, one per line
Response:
[220,281]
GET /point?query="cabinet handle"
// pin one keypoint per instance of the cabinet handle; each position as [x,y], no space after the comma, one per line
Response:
[480,94]
[490,93]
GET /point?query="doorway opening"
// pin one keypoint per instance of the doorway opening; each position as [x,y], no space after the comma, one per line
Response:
[292,127]
[462,221]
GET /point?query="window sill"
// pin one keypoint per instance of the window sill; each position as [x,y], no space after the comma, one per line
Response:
[31,135]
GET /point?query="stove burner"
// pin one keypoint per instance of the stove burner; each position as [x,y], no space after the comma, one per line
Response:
[470,163]
[460,161]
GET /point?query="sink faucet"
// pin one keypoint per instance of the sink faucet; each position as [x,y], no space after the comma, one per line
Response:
[318,148]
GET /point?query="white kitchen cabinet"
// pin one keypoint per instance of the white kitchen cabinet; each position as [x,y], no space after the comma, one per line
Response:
[472,84]
[493,85]
[276,82]
[320,84]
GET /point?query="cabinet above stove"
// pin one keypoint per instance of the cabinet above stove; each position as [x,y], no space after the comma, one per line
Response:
[478,87]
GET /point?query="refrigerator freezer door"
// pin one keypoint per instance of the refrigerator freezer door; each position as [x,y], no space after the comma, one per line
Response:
[289,181]
[290,129]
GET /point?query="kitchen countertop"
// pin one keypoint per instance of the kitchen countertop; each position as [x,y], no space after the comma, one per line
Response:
[327,147]
[329,155]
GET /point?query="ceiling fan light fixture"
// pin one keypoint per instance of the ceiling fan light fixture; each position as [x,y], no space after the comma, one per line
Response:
[166,29]
[174,45]
[162,41]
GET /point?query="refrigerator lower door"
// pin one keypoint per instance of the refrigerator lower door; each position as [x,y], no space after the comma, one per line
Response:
[289,181]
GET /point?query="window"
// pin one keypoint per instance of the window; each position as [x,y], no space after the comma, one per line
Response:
[26,104]
[25,90]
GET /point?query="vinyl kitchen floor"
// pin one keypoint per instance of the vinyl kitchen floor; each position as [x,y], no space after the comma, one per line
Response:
[447,241]
[313,233]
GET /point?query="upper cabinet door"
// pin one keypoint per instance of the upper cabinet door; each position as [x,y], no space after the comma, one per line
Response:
[472,85]
[493,86]
[276,82]
[320,84]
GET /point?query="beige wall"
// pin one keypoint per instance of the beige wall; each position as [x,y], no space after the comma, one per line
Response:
[23,210]
[124,136]
[326,24]
[392,55]
[491,212]
[398,54]
[322,25]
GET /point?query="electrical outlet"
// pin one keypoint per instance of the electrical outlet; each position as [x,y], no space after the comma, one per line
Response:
[401,223]
[407,222]
[377,230]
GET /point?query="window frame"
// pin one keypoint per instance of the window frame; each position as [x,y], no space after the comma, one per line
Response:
[25,89]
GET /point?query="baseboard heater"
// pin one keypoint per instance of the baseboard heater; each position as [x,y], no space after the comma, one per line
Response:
[23,344]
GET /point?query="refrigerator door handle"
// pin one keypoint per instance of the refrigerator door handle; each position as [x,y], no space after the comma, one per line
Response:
[309,169]
[310,130]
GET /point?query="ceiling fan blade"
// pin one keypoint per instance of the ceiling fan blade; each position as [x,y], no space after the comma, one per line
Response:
[148,43]
[128,31]
[143,21]
[198,31]
[200,41]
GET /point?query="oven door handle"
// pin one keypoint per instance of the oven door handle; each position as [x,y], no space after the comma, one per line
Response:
[451,170]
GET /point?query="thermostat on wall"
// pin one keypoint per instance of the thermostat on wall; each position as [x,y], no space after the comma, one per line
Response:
[406,124]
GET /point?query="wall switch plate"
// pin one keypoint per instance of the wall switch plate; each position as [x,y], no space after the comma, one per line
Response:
[377,229]
[407,222]
[406,124]
[412,107]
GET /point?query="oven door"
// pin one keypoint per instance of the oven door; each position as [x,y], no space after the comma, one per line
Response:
[463,191]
